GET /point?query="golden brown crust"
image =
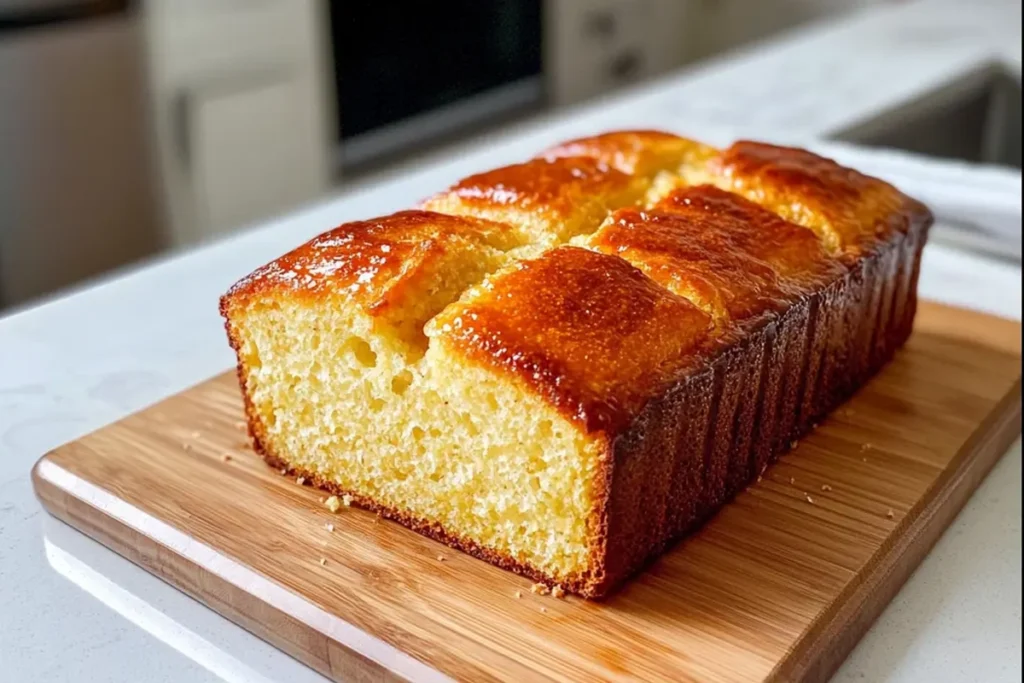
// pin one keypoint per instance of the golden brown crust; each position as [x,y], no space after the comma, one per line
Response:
[555,198]
[693,262]
[376,262]
[726,221]
[588,332]
[852,212]
[636,152]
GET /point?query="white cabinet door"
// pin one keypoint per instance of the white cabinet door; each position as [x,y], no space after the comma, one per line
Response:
[241,96]
[593,46]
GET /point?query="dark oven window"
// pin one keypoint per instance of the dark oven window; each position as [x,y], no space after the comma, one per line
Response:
[394,60]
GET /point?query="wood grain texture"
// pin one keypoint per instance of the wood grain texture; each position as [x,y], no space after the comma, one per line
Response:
[779,586]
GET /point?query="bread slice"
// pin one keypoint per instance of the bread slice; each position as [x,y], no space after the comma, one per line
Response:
[562,366]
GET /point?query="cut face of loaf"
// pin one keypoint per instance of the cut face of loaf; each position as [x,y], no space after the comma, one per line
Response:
[564,365]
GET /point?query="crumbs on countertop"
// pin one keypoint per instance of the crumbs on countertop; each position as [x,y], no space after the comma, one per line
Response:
[300,480]
[329,527]
[346,500]
[826,487]
[540,589]
[809,499]
[333,504]
[519,594]
[226,457]
[558,591]
[890,514]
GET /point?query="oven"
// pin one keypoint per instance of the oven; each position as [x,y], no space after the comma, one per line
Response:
[410,75]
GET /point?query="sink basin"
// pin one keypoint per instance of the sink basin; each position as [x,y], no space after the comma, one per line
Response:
[975,118]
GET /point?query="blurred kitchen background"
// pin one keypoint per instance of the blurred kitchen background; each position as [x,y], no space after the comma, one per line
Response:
[131,128]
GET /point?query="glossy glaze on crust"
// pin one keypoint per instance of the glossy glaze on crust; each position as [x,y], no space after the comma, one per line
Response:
[636,152]
[694,260]
[376,262]
[795,253]
[589,332]
[553,199]
[851,211]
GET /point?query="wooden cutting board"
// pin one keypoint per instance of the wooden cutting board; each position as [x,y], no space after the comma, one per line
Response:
[779,586]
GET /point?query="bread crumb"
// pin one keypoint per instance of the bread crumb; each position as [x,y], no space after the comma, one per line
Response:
[826,487]
[558,592]
[323,561]
[519,594]
[226,457]
[539,589]
[863,459]
[329,527]
[866,446]
[333,504]
[440,558]
[543,609]
[300,480]
[809,499]
[890,514]
[794,443]
[759,479]
[792,480]
[186,446]
[284,470]
[346,500]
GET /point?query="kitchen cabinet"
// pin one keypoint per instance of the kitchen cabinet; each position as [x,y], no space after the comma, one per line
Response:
[241,110]
[594,46]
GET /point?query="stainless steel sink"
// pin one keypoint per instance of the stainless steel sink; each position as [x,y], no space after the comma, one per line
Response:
[975,118]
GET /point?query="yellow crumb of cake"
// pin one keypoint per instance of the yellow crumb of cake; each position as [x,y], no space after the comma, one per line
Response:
[333,504]
[540,589]
[558,592]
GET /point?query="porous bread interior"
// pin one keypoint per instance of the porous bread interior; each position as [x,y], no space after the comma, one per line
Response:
[429,435]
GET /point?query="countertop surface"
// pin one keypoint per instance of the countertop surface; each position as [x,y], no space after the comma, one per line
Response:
[71,610]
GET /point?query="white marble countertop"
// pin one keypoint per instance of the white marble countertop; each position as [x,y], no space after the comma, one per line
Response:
[71,610]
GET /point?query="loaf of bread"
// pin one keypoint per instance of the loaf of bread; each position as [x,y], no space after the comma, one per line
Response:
[563,366]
